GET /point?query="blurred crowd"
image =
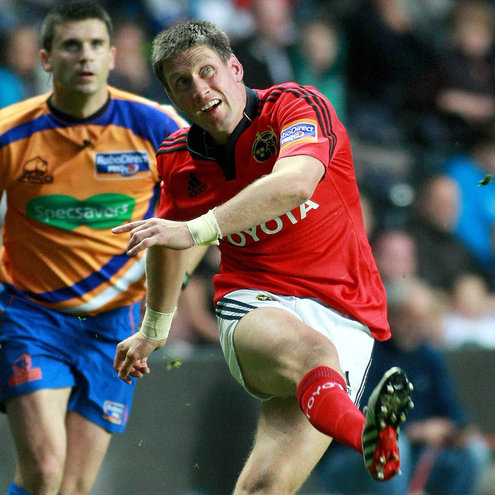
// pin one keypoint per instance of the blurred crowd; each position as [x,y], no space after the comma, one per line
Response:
[414,83]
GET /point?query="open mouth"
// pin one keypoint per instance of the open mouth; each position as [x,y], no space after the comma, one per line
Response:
[211,104]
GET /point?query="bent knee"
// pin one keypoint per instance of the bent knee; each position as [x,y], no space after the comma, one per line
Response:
[77,486]
[42,474]
[295,361]
[318,350]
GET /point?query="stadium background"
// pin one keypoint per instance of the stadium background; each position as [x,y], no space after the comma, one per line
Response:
[191,425]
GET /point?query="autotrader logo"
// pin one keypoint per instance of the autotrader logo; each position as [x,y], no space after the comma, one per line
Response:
[101,211]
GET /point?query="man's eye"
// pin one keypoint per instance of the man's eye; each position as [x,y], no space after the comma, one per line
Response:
[181,82]
[71,45]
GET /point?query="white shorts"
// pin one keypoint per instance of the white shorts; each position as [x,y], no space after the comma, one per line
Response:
[352,339]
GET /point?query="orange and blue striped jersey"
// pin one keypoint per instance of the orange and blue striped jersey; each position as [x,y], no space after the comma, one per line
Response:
[68,182]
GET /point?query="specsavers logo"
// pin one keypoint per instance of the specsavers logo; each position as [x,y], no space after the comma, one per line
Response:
[101,211]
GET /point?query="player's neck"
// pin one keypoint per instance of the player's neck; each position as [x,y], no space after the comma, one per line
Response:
[79,105]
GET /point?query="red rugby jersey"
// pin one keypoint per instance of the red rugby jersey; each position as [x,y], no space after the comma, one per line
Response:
[319,249]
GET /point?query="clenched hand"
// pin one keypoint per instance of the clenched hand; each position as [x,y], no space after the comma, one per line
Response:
[132,354]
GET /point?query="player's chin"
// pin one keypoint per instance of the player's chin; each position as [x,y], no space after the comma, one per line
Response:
[86,87]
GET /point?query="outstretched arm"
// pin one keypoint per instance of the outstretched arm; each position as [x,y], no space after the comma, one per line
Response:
[291,182]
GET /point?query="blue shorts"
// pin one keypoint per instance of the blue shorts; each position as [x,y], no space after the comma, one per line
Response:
[41,348]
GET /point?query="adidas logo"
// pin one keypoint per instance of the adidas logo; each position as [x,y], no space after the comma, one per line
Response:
[195,186]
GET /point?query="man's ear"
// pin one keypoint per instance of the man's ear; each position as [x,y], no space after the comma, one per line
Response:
[237,68]
[45,60]
[113,52]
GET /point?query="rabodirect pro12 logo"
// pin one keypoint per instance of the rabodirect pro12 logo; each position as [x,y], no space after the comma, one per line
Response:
[101,211]
[298,132]
[124,163]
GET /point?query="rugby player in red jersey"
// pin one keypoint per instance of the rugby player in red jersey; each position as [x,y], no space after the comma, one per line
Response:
[268,175]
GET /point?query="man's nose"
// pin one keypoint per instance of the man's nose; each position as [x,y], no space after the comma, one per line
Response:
[200,87]
[87,52]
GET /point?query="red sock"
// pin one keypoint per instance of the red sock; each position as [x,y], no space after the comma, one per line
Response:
[323,397]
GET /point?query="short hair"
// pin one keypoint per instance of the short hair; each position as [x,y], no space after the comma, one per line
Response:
[74,10]
[174,41]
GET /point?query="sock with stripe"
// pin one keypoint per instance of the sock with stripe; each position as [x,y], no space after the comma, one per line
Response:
[15,490]
[323,397]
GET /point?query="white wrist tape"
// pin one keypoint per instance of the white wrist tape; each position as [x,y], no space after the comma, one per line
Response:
[205,230]
[156,325]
